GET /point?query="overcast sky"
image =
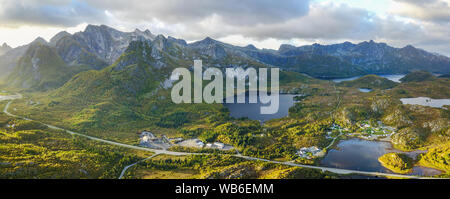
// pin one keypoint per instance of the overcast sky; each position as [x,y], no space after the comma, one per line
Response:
[264,23]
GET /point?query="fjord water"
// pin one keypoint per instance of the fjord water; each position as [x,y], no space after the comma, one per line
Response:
[358,154]
[395,78]
[252,110]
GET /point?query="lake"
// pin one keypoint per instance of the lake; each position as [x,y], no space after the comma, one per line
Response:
[364,90]
[252,110]
[425,101]
[358,154]
[395,78]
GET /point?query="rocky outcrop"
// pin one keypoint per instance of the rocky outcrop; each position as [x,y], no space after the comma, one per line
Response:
[397,117]
[407,138]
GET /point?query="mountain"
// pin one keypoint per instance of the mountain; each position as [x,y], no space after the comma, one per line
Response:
[10,58]
[40,67]
[136,72]
[100,46]
[337,60]
[347,59]
[108,43]
[73,53]
[4,48]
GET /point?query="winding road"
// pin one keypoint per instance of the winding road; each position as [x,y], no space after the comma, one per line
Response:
[127,167]
[157,152]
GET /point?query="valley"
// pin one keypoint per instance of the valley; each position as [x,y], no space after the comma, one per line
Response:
[110,98]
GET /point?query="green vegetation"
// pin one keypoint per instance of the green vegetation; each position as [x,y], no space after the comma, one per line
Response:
[418,76]
[218,167]
[41,68]
[30,150]
[437,157]
[130,96]
[201,150]
[399,163]
[174,120]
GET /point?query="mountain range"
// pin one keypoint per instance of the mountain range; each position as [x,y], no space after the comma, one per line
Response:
[45,65]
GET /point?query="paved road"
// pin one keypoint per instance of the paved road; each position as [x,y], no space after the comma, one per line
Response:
[336,170]
[5,110]
[157,152]
[127,167]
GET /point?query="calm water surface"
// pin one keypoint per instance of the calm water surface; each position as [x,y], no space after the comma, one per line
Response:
[364,90]
[425,101]
[252,111]
[395,78]
[358,154]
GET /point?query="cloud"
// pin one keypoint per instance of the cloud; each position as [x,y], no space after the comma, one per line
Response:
[428,10]
[423,23]
[234,12]
[61,13]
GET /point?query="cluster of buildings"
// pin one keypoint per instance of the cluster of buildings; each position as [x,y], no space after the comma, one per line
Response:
[200,144]
[310,152]
[367,131]
[215,145]
[148,139]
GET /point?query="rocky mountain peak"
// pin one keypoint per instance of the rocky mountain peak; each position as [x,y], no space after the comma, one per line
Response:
[409,47]
[5,45]
[251,47]
[286,47]
[178,41]
[142,35]
[58,36]
[208,41]
[4,48]
[39,40]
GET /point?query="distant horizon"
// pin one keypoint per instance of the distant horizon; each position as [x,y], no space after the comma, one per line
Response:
[265,24]
[245,45]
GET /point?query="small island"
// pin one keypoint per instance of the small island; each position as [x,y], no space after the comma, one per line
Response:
[397,162]
[370,82]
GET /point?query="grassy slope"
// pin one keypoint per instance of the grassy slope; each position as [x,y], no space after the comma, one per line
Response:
[218,167]
[370,82]
[437,157]
[40,68]
[399,163]
[30,150]
[418,76]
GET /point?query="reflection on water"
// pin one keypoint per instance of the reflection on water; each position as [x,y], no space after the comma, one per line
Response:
[345,79]
[395,78]
[364,90]
[424,171]
[425,101]
[358,154]
[252,110]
